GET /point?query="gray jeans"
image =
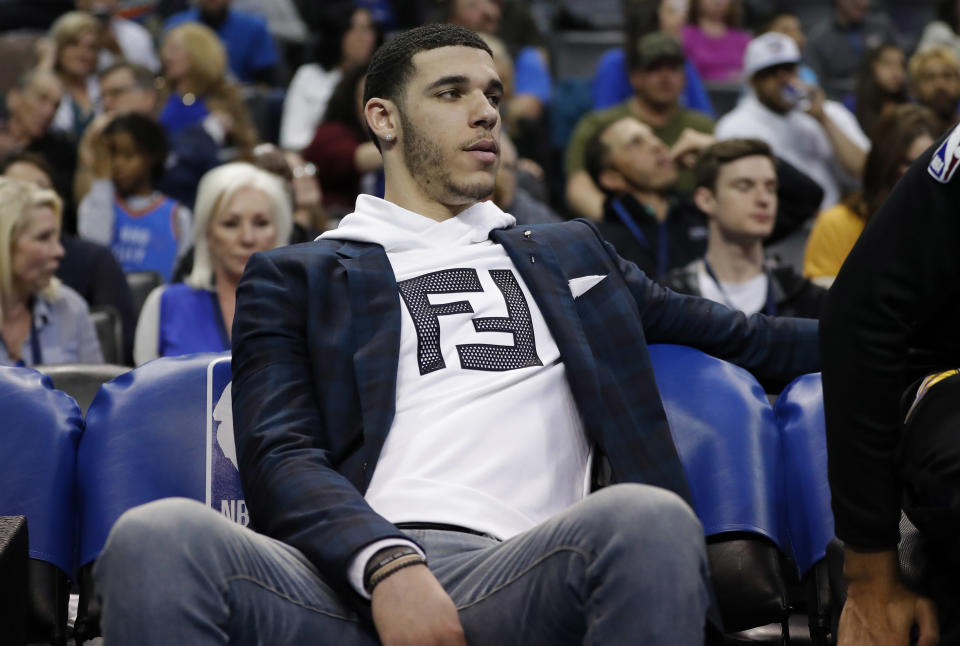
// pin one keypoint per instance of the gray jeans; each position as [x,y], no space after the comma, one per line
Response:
[626,565]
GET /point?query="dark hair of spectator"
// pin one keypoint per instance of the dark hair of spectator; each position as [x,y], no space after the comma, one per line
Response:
[641,17]
[392,64]
[447,9]
[890,139]
[270,158]
[596,156]
[733,19]
[771,17]
[871,98]
[143,77]
[947,12]
[342,107]
[335,23]
[149,137]
[27,157]
[718,155]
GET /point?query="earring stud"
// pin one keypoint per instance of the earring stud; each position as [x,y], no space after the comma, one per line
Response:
[388,137]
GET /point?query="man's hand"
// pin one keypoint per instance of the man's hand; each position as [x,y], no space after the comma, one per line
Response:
[92,134]
[880,610]
[817,98]
[410,608]
[689,146]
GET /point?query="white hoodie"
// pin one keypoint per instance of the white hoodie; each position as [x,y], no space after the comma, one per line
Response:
[487,435]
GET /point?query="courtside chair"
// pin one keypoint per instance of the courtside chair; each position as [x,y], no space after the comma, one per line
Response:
[141,283]
[727,438]
[799,412]
[14,557]
[106,321]
[161,430]
[39,431]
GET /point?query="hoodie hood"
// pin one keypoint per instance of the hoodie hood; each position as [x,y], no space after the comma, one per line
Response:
[396,229]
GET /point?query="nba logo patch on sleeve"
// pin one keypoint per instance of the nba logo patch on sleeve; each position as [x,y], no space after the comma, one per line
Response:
[224,492]
[945,160]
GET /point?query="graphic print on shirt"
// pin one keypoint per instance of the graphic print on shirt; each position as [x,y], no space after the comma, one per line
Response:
[473,356]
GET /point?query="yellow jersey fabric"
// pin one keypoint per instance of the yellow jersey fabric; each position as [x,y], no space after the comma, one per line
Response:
[834,233]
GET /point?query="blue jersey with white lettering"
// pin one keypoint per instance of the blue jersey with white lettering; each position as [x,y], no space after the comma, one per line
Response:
[146,240]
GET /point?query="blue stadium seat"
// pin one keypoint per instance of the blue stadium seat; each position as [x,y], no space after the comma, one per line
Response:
[37,467]
[799,412]
[727,438]
[164,429]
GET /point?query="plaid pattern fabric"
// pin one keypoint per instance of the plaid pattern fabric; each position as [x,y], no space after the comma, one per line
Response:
[315,350]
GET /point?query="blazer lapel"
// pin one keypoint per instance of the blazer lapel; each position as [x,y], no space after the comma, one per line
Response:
[375,320]
[541,271]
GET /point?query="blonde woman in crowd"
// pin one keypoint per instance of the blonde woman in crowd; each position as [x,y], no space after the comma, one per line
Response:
[240,210]
[198,90]
[43,321]
[74,45]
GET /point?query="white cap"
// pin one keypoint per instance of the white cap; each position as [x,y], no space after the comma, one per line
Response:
[772,48]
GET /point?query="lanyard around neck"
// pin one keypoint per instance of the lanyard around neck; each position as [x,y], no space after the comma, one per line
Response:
[769,308]
[663,250]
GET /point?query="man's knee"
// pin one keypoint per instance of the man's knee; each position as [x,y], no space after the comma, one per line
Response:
[156,535]
[647,516]
[633,503]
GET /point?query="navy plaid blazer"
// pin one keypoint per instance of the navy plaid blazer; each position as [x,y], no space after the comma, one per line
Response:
[316,341]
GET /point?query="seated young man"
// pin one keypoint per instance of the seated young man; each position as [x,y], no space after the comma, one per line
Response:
[737,190]
[644,217]
[419,398]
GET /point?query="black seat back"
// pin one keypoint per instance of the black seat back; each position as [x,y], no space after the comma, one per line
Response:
[141,283]
[106,321]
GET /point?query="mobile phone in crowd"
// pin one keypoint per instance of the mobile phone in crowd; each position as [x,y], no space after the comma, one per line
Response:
[798,96]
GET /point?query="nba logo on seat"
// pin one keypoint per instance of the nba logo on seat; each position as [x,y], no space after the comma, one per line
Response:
[223,477]
[945,160]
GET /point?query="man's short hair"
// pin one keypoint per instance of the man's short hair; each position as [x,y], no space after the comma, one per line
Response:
[940,53]
[596,156]
[392,64]
[26,157]
[143,77]
[718,155]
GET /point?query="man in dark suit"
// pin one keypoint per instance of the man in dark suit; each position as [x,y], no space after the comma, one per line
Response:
[419,400]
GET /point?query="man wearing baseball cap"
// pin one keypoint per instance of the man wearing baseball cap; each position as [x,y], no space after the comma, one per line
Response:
[657,78]
[819,137]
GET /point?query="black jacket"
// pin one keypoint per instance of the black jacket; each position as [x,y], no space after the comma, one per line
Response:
[793,294]
[891,318]
[657,248]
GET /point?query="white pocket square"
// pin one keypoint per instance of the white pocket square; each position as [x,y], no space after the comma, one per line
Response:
[580,286]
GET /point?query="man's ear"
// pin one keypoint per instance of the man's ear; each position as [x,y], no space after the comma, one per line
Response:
[382,117]
[611,180]
[705,200]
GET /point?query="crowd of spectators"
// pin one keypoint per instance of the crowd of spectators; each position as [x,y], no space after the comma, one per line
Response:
[180,138]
